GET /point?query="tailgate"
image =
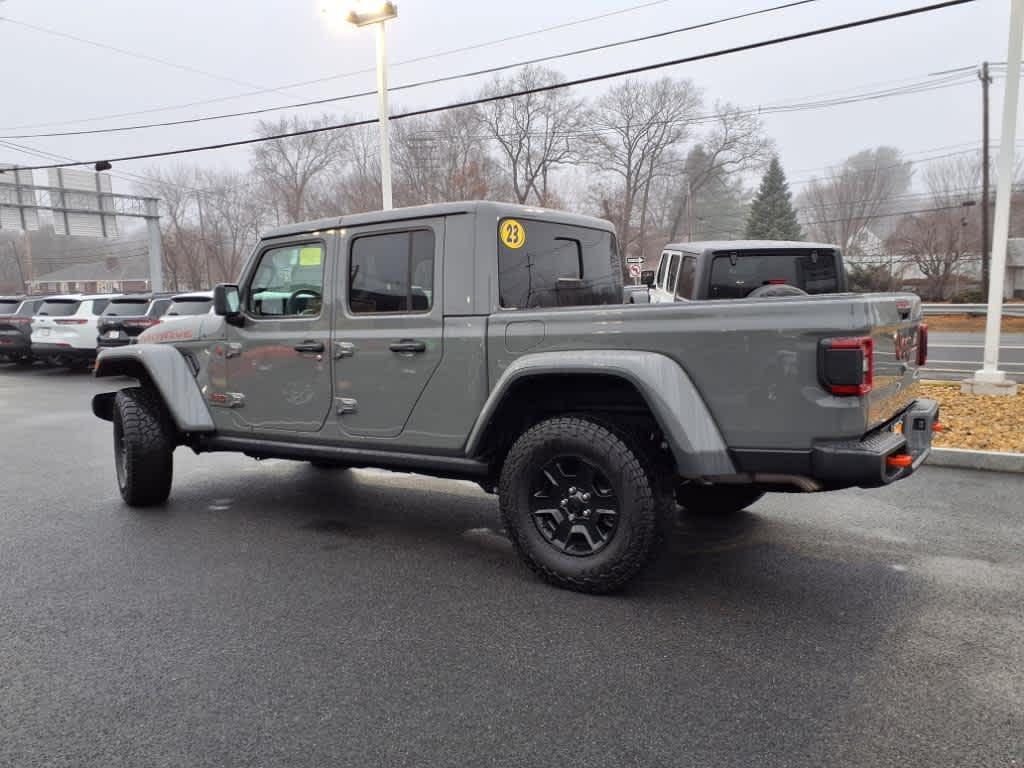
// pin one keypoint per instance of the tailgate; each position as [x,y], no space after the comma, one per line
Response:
[898,335]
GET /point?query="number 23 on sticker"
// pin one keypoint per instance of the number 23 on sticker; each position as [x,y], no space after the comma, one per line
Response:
[513,234]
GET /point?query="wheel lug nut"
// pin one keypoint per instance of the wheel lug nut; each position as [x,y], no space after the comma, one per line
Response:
[586,497]
[573,489]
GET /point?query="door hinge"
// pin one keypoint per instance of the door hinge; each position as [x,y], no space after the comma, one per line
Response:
[343,349]
[347,405]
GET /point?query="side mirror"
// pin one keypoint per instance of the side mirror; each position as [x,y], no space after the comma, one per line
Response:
[227,303]
[647,278]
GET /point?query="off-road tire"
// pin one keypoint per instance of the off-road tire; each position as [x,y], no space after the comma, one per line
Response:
[143,447]
[643,503]
[716,500]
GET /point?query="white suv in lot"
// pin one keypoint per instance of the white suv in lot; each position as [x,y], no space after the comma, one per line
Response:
[64,328]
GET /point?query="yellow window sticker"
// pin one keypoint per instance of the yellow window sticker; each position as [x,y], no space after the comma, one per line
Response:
[513,234]
[311,256]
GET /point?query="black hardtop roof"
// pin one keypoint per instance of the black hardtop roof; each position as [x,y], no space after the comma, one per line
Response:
[483,207]
[748,245]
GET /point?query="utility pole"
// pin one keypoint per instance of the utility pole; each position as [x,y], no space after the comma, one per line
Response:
[986,247]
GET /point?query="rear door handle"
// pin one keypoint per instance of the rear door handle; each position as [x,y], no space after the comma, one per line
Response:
[311,347]
[408,346]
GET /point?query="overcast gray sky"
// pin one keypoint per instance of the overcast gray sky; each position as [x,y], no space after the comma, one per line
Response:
[252,44]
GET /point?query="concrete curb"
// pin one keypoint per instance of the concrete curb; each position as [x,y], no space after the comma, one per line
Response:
[991,461]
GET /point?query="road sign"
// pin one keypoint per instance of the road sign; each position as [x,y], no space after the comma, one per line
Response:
[635,260]
[634,270]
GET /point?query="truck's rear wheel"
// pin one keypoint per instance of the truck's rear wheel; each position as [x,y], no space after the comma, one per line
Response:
[580,504]
[143,447]
[716,499]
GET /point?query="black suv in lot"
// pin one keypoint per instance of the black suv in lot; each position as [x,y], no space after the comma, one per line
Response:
[16,327]
[127,316]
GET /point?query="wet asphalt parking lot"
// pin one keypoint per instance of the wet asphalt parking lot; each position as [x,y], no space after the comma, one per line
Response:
[277,615]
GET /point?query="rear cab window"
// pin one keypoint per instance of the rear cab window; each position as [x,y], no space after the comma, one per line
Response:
[126,307]
[59,307]
[546,264]
[734,274]
[189,305]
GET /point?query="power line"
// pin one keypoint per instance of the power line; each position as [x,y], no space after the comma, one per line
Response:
[133,54]
[414,60]
[538,89]
[418,84]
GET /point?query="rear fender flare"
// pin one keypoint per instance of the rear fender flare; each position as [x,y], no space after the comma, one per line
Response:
[165,369]
[676,404]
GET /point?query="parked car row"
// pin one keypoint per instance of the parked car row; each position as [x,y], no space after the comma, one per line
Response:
[68,330]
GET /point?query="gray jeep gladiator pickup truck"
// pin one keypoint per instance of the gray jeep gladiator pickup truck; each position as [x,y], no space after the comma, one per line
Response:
[489,342]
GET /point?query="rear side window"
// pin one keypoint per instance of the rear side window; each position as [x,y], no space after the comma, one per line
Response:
[126,307]
[684,288]
[662,266]
[734,275]
[98,305]
[392,272]
[29,308]
[59,307]
[9,307]
[544,264]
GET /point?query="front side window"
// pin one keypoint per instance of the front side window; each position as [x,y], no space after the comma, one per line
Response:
[288,282]
[392,272]
[662,266]
[556,265]
[673,271]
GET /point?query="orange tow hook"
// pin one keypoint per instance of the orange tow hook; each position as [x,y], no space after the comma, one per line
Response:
[937,427]
[899,460]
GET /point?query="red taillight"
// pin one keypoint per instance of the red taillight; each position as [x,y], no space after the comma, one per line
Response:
[847,365]
[72,321]
[19,320]
[922,344]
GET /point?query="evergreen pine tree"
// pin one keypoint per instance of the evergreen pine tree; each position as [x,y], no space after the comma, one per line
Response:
[772,216]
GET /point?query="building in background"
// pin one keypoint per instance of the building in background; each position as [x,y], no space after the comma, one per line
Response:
[114,274]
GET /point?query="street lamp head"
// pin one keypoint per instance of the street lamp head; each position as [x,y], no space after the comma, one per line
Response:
[373,12]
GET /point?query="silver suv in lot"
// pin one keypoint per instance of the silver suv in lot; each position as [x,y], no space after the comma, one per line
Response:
[490,342]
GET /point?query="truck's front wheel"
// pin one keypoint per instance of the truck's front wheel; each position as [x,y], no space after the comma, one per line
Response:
[580,504]
[143,447]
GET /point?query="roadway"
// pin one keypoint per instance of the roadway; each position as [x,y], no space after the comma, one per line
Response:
[273,614]
[955,356]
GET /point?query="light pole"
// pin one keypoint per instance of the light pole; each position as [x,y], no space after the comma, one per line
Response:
[378,14]
[990,380]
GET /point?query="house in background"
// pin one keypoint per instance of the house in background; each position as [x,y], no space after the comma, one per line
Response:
[115,274]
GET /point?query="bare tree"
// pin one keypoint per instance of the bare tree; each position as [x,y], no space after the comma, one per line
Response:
[185,264]
[230,224]
[735,144]
[842,207]
[441,159]
[290,167]
[534,133]
[940,239]
[637,127]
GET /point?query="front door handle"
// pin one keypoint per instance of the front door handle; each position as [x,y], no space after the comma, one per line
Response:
[310,347]
[409,346]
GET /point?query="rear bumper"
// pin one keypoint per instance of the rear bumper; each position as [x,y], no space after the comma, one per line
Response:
[64,350]
[14,344]
[865,462]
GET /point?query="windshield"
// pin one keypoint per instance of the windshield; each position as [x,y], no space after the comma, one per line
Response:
[735,275]
[126,307]
[59,307]
[199,305]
